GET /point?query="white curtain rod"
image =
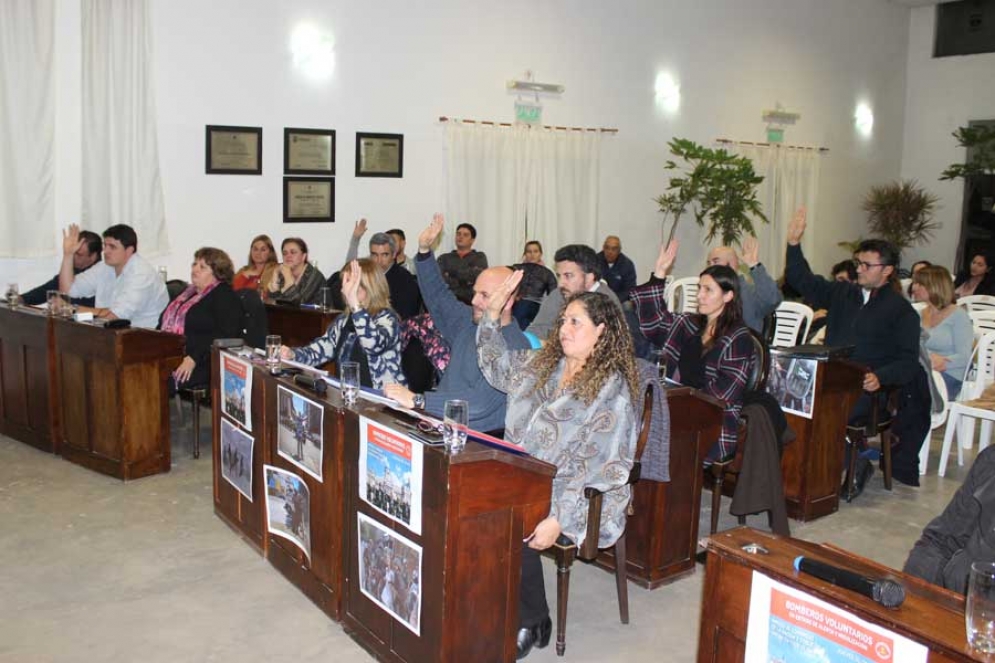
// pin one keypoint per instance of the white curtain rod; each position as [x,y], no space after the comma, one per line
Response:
[603,130]
[727,141]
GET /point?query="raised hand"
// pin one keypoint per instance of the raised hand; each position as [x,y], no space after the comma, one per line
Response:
[751,251]
[797,227]
[360,229]
[428,236]
[350,284]
[668,254]
[70,240]
[502,295]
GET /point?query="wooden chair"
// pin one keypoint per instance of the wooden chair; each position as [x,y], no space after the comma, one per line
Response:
[878,425]
[564,550]
[718,471]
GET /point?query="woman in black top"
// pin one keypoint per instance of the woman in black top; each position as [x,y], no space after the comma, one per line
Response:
[537,282]
[979,279]
[207,310]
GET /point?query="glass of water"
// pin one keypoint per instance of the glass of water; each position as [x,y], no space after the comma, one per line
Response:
[349,378]
[13,294]
[326,299]
[979,615]
[54,299]
[454,423]
[273,344]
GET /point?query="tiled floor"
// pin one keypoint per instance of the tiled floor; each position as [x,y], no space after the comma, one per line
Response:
[176,584]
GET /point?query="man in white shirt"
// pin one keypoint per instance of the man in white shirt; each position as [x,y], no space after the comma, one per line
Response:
[125,285]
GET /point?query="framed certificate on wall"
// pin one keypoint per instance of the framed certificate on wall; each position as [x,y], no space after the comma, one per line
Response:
[308,151]
[233,150]
[379,155]
[308,199]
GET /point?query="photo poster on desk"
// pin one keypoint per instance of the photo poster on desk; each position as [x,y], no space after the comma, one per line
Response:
[236,458]
[792,383]
[300,431]
[288,507]
[390,473]
[236,390]
[390,571]
[786,624]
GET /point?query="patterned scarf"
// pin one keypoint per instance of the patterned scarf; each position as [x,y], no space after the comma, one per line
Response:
[175,316]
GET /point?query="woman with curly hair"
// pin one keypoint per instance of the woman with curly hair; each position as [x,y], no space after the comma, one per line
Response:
[570,403]
[369,332]
[710,350]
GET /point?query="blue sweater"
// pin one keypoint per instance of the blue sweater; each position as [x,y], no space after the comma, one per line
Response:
[462,378]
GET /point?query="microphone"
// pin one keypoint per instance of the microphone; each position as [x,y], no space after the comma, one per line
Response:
[888,593]
[314,383]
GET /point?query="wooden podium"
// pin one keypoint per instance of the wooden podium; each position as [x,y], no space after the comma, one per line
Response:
[477,506]
[112,388]
[662,534]
[930,615]
[812,466]
[29,411]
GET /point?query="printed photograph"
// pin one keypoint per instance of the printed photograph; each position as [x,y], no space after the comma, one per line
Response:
[390,571]
[390,473]
[299,431]
[236,388]
[792,383]
[288,507]
[236,458]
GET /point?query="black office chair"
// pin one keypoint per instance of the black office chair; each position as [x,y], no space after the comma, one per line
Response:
[175,287]
[255,326]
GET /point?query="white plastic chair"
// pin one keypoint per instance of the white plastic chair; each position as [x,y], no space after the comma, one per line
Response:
[983,321]
[936,420]
[905,283]
[977,303]
[961,418]
[682,295]
[919,307]
[792,319]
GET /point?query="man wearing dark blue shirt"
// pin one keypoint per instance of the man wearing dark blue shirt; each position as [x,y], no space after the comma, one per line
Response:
[616,269]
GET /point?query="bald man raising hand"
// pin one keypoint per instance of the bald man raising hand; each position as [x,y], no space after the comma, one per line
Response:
[457,322]
[759,293]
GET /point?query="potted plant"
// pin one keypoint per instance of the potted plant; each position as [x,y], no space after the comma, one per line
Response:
[980,139]
[901,212]
[719,186]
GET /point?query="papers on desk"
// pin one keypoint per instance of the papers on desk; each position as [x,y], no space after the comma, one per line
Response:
[786,624]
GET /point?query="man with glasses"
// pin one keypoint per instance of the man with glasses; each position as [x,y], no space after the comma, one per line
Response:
[872,316]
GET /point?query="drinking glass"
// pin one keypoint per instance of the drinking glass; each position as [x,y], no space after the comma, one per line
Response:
[326,299]
[455,419]
[349,378]
[54,299]
[66,305]
[273,344]
[979,615]
[13,294]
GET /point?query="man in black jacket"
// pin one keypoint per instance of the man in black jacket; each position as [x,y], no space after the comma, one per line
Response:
[85,257]
[405,297]
[962,534]
[877,320]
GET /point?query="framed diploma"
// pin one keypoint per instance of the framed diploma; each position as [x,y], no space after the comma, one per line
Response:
[308,152]
[234,150]
[379,155]
[308,199]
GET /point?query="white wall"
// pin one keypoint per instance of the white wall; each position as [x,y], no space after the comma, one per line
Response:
[402,65]
[942,94]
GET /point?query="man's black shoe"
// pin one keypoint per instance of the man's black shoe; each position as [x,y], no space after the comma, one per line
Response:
[863,471]
[537,636]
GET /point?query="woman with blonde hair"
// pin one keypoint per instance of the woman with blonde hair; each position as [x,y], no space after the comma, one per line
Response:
[946,326]
[260,265]
[369,332]
[570,403]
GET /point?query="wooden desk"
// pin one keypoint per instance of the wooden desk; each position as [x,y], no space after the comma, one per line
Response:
[298,326]
[812,467]
[477,506]
[112,388]
[29,411]
[662,535]
[930,615]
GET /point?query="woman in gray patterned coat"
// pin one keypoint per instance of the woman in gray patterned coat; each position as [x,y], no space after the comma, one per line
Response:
[369,332]
[570,404]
